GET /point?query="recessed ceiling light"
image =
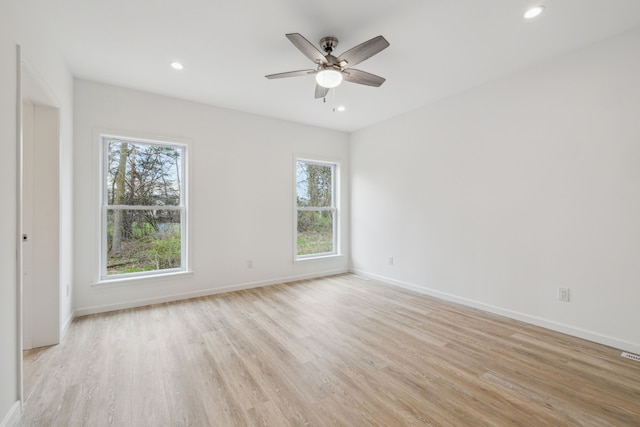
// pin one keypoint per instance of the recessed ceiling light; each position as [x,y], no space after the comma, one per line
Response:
[341,108]
[176,65]
[533,12]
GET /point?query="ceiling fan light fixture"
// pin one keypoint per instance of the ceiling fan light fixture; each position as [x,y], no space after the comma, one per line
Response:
[329,78]
[533,12]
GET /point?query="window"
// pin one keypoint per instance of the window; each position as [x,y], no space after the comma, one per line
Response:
[143,207]
[316,211]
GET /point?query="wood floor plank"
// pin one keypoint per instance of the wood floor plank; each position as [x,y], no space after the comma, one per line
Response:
[336,351]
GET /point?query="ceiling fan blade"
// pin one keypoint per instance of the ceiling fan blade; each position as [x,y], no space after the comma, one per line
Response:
[362,77]
[307,48]
[291,74]
[321,92]
[363,51]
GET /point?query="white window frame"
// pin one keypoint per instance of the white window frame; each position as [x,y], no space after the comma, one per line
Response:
[335,208]
[105,207]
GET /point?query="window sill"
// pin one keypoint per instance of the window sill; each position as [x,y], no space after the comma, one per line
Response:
[122,281]
[319,258]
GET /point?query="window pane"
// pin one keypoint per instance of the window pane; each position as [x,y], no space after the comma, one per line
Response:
[143,240]
[314,185]
[315,232]
[142,174]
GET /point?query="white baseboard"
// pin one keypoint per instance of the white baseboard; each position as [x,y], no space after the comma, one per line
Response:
[66,325]
[545,323]
[12,417]
[206,292]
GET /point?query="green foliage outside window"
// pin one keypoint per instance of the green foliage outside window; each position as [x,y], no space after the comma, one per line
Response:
[144,214]
[315,208]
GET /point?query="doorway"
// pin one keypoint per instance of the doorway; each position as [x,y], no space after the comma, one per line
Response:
[40,215]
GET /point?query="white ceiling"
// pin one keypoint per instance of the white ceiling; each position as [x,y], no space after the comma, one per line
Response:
[438,48]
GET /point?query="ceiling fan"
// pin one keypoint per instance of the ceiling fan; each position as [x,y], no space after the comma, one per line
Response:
[331,71]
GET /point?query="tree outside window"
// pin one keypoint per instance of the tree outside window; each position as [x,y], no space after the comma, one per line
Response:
[316,209]
[143,211]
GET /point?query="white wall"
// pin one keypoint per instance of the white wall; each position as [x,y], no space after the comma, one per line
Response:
[240,191]
[19,26]
[498,196]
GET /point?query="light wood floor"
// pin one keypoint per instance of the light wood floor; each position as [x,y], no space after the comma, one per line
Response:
[340,351]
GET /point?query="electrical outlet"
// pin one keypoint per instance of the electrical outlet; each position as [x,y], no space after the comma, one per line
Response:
[390,260]
[250,264]
[68,289]
[563,294]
